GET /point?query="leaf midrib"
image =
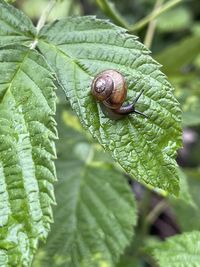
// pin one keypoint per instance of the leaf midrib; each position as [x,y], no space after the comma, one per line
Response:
[14,76]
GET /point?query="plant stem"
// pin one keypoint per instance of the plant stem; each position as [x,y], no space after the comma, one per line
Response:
[148,218]
[145,206]
[154,14]
[70,7]
[158,209]
[42,21]
[45,15]
[152,25]
[109,9]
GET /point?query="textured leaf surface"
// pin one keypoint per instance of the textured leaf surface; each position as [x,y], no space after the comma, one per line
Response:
[96,212]
[80,48]
[15,27]
[27,131]
[179,251]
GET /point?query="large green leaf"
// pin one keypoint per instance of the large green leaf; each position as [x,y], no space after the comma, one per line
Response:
[15,27]
[78,49]
[179,251]
[27,131]
[96,212]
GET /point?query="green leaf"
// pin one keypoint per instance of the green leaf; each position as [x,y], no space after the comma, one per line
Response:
[189,97]
[184,210]
[15,26]
[27,133]
[180,66]
[96,212]
[78,49]
[180,19]
[177,56]
[179,251]
[184,195]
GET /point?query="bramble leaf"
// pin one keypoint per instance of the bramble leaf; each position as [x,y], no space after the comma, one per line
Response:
[15,26]
[179,251]
[27,133]
[96,211]
[80,48]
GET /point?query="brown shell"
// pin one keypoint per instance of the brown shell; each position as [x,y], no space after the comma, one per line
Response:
[110,87]
[102,86]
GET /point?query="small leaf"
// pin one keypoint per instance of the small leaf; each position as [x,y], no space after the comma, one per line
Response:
[177,56]
[27,131]
[96,210]
[15,26]
[189,97]
[179,251]
[179,64]
[80,48]
[180,19]
[184,195]
[185,210]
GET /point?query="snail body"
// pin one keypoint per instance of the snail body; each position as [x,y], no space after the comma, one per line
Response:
[110,88]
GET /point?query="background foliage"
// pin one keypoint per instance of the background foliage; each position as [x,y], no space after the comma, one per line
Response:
[88,198]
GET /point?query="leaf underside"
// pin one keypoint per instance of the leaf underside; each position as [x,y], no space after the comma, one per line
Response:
[80,48]
[27,171]
[96,212]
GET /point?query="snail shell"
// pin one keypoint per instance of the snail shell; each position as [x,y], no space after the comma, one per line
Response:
[110,87]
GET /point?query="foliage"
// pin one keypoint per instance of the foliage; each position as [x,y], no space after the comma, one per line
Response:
[75,53]
[179,251]
[96,213]
[180,19]
[15,26]
[89,195]
[184,75]
[189,209]
[27,131]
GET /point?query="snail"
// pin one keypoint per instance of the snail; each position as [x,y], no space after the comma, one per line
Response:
[109,87]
